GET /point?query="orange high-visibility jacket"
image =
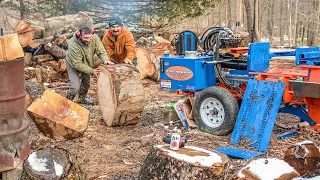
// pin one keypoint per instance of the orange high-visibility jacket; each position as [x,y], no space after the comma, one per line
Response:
[121,48]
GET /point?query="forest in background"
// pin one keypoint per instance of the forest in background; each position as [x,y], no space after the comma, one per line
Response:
[282,22]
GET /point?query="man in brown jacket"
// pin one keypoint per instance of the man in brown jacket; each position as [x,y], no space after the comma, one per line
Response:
[119,42]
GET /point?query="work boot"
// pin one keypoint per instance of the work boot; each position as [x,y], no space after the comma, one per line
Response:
[70,97]
[84,100]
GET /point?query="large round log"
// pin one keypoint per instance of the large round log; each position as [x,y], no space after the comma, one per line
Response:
[304,157]
[121,94]
[51,163]
[271,168]
[186,163]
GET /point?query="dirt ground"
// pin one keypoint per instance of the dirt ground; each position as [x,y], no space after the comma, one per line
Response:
[119,152]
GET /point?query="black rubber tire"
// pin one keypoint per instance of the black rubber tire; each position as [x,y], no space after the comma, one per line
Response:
[229,103]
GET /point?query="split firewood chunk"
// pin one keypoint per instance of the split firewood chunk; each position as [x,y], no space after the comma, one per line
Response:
[186,163]
[304,157]
[57,117]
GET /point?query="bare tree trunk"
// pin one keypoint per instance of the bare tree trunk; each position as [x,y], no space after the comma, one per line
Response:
[303,33]
[239,13]
[270,21]
[220,15]
[290,22]
[312,30]
[229,14]
[295,23]
[249,16]
[281,23]
[256,24]
[22,9]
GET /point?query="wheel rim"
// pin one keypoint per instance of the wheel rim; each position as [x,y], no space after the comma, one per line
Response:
[212,112]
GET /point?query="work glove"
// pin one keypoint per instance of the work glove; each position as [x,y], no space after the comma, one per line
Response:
[127,61]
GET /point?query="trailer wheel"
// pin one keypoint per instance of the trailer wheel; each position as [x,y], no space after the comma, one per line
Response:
[216,111]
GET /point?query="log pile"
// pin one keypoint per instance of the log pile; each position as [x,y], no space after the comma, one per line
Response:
[45,43]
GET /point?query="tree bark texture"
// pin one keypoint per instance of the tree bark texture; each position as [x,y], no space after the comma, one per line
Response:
[163,163]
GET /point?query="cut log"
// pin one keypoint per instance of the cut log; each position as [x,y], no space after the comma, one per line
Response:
[156,62]
[266,169]
[186,163]
[27,59]
[10,47]
[57,117]
[25,32]
[56,51]
[304,157]
[144,63]
[46,27]
[121,94]
[34,89]
[51,163]
[62,65]
[48,74]
[43,58]
[33,73]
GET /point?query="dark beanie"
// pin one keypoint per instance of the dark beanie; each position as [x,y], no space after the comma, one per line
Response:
[115,20]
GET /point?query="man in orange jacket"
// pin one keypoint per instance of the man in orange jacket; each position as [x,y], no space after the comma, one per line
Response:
[119,42]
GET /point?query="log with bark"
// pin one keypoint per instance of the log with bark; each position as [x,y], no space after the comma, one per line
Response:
[57,117]
[270,168]
[52,163]
[34,89]
[304,157]
[121,94]
[186,163]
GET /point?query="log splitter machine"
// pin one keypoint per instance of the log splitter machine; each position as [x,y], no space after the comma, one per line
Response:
[235,91]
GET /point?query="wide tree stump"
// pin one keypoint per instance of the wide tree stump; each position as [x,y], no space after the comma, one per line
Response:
[304,157]
[144,63]
[57,117]
[266,169]
[121,94]
[186,163]
[51,163]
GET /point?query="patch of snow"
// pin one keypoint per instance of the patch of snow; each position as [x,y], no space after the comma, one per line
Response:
[46,84]
[37,164]
[313,178]
[272,170]
[305,142]
[58,168]
[207,161]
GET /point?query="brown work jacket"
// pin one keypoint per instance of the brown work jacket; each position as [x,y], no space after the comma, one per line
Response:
[121,48]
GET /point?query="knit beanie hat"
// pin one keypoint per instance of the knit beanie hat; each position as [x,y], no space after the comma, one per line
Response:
[115,20]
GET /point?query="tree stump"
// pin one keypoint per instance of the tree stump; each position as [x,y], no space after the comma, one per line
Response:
[121,94]
[144,63]
[186,163]
[57,117]
[304,157]
[51,163]
[266,169]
